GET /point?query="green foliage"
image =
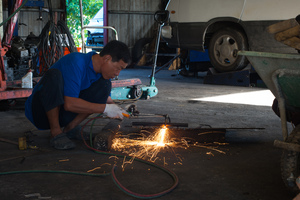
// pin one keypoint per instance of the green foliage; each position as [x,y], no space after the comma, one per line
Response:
[90,9]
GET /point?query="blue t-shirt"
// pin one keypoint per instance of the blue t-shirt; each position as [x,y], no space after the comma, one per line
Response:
[78,74]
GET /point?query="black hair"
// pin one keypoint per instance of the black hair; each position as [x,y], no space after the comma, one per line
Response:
[117,50]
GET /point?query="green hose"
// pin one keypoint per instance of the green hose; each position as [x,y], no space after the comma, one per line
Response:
[13,13]
[53,171]
[120,186]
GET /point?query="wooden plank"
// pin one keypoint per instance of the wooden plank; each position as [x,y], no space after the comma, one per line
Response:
[8,141]
[176,63]
[293,42]
[289,33]
[281,26]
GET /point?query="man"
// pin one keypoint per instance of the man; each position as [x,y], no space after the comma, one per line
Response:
[76,86]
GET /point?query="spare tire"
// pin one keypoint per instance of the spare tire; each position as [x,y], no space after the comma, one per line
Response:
[139,48]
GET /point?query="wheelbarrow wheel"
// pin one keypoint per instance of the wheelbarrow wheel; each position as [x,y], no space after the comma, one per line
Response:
[290,162]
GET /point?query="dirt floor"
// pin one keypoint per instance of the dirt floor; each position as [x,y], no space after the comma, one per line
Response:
[244,166]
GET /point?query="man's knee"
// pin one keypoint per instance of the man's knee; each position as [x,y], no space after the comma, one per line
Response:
[51,93]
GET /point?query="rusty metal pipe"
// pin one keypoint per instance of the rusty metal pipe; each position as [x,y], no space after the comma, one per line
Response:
[103,141]
[157,124]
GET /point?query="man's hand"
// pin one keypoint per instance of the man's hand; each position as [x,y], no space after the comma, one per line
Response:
[114,111]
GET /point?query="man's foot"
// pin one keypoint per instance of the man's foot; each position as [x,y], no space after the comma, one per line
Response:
[75,133]
[62,142]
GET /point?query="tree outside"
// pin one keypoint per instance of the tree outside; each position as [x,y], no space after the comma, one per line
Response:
[90,9]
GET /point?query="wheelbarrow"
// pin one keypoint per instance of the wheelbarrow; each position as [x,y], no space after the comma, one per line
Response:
[281,74]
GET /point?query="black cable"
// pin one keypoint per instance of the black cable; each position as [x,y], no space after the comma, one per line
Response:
[54,38]
[21,6]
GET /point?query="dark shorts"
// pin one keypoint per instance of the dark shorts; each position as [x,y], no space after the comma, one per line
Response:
[50,94]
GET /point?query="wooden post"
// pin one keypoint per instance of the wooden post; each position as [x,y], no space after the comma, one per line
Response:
[176,63]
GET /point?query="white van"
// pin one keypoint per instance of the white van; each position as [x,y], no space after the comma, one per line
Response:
[95,36]
[226,26]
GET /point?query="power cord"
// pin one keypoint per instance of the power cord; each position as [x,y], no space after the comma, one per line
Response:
[54,38]
[118,183]
[113,175]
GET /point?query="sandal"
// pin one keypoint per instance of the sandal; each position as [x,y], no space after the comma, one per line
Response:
[75,133]
[62,142]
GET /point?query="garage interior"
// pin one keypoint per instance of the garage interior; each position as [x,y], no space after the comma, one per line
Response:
[221,129]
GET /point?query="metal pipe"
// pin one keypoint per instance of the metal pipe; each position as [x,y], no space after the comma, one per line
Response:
[281,105]
[130,12]
[103,27]
[158,124]
[165,65]
[81,22]
[152,81]
[85,27]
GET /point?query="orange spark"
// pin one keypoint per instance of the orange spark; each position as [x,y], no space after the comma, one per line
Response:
[144,147]
[161,137]
[148,147]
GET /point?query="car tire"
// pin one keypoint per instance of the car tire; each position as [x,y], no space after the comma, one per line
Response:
[223,50]
[139,48]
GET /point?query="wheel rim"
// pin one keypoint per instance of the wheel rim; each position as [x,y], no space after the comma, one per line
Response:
[225,50]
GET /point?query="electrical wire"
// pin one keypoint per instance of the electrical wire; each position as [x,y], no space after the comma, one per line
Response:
[113,175]
[54,171]
[21,6]
[54,38]
[118,183]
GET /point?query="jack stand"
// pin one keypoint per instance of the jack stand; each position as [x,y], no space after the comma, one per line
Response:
[245,78]
[149,91]
[141,91]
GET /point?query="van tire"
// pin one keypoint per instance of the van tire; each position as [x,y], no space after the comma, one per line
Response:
[139,48]
[223,48]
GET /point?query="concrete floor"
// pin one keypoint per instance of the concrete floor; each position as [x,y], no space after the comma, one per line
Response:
[249,168]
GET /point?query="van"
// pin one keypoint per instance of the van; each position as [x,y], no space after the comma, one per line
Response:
[95,36]
[224,27]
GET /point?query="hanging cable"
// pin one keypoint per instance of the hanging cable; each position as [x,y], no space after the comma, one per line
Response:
[54,39]
[2,23]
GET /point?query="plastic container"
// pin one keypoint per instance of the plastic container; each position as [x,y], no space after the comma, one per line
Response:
[27,80]
[66,50]
[22,143]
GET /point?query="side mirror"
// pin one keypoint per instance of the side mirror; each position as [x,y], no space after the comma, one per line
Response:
[161,16]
